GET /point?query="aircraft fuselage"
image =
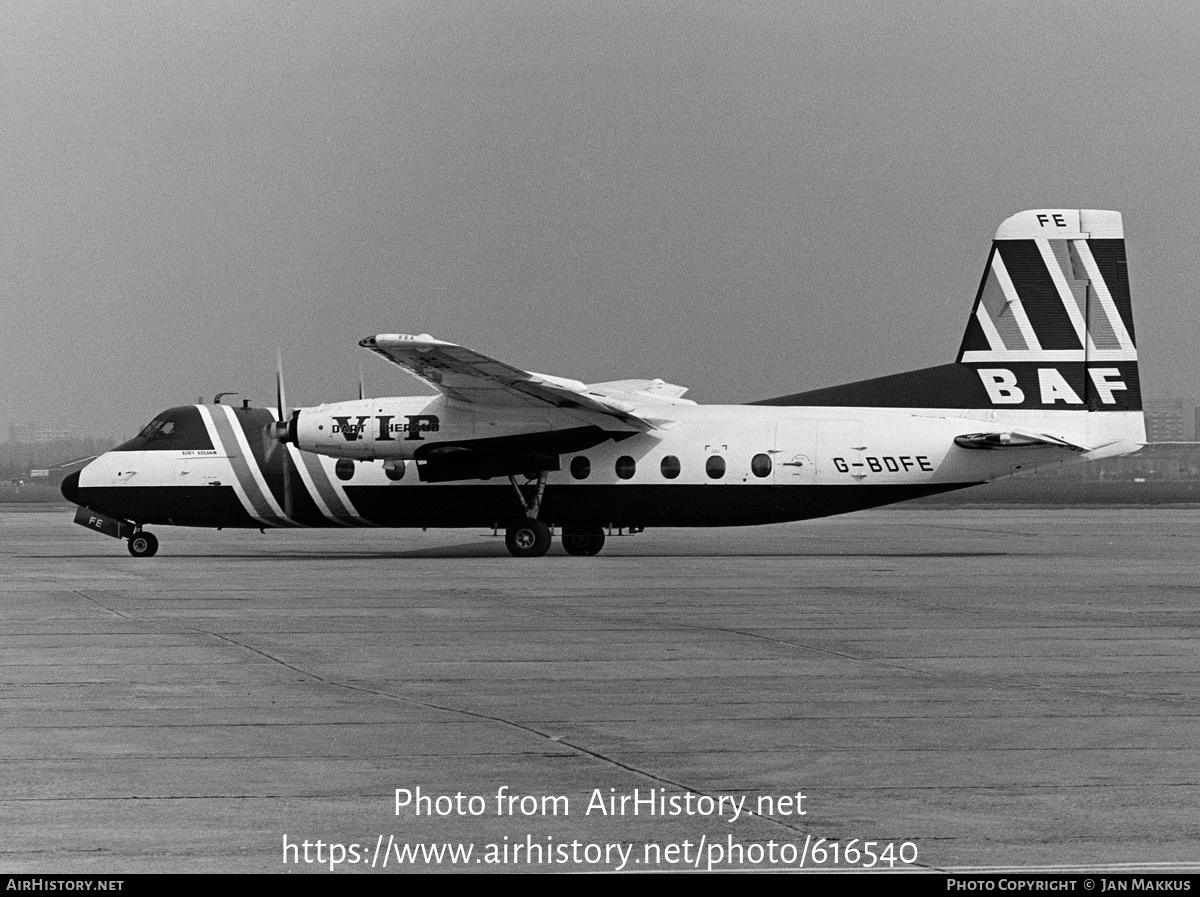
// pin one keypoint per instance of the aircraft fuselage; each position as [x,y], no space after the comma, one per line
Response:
[718,465]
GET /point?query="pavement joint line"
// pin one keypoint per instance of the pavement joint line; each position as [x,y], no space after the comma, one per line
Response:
[87,597]
[754,635]
[1008,683]
[604,758]
[521,727]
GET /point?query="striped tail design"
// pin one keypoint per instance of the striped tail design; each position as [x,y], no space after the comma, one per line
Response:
[1053,309]
[1051,328]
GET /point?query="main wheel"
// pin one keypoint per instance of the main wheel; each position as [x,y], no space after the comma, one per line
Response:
[583,541]
[143,545]
[527,538]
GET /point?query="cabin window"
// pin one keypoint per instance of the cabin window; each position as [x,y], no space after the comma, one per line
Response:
[580,467]
[626,467]
[344,468]
[760,465]
[669,467]
[394,471]
[715,467]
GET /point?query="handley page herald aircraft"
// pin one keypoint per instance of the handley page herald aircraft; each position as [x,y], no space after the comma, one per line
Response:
[1046,374]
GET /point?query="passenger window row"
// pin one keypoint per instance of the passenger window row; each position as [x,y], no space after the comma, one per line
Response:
[670,468]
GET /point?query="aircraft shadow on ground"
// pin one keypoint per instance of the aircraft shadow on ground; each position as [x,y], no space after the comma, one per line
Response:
[487,551]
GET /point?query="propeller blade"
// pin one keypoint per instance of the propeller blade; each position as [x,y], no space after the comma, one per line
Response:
[281,434]
[280,400]
[287,483]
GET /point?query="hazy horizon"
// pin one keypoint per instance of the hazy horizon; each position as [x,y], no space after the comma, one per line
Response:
[747,199]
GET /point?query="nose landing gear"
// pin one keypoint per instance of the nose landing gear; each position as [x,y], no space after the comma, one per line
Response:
[143,545]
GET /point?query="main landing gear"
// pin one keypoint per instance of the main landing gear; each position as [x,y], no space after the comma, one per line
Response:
[584,541]
[143,544]
[528,537]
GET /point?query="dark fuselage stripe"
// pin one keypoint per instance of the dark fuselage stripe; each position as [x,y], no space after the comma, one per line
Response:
[494,504]
[263,503]
[325,491]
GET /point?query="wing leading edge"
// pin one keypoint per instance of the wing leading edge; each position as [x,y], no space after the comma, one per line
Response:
[468,376]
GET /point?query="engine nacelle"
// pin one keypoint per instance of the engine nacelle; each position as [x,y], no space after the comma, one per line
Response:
[404,429]
[367,429]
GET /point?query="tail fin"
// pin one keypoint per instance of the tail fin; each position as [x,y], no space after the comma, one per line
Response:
[1051,329]
[1053,311]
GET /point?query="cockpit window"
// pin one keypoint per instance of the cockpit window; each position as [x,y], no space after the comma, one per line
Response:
[157,428]
[177,429]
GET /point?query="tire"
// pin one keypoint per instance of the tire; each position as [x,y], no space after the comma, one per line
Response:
[143,545]
[527,538]
[583,541]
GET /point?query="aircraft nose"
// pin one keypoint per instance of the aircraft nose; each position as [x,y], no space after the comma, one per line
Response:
[70,487]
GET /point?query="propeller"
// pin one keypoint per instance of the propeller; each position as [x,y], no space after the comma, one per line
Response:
[278,433]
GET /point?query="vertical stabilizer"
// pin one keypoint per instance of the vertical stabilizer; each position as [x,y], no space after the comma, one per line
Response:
[1053,312]
[1051,328]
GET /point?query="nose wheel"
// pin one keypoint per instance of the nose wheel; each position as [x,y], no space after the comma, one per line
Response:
[143,545]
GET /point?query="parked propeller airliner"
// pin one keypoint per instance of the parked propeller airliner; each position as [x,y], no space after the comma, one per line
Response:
[1046,375]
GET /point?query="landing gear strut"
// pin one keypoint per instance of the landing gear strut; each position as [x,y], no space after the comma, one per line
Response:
[528,537]
[143,544]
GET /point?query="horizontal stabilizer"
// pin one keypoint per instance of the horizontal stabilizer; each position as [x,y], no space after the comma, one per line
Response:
[1015,439]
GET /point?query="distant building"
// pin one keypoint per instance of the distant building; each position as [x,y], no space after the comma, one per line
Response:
[37,435]
[1168,422]
[43,435]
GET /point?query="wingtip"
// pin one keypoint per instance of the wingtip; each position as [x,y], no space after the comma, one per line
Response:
[392,339]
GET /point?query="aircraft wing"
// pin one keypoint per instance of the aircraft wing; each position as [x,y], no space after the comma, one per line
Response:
[467,376]
[1016,439]
[643,391]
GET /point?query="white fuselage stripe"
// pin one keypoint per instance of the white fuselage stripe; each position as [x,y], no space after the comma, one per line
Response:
[252,466]
[333,490]
[219,445]
[307,478]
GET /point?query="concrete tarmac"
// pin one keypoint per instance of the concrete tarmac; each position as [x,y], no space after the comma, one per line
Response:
[981,689]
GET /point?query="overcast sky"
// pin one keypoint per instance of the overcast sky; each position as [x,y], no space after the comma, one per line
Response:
[746,198]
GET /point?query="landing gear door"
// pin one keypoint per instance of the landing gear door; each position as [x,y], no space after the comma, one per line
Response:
[794,453]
